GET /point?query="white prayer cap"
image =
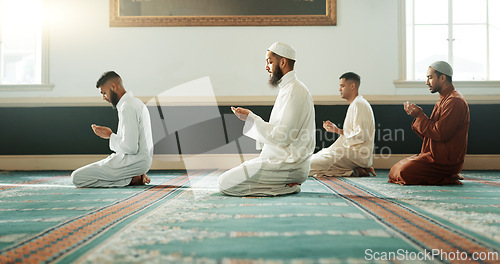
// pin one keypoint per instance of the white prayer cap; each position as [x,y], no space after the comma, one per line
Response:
[283,49]
[442,67]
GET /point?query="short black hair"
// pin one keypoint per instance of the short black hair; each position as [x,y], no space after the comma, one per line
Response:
[448,77]
[105,77]
[351,76]
[279,57]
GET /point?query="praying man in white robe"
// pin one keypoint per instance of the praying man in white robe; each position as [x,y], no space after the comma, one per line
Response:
[352,153]
[288,138]
[132,143]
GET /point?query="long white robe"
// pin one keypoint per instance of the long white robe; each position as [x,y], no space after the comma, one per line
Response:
[132,144]
[288,142]
[352,150]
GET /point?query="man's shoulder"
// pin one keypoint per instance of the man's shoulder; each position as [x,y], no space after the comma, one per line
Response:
[297,85]
[360,101]
[456,98]
[299,89]
[457,95]
[133,103]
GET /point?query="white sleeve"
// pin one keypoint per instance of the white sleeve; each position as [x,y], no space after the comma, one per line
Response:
[285,130]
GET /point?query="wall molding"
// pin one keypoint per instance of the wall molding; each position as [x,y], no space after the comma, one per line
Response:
[232,100]
[456,84]
[201,161]
[26,87]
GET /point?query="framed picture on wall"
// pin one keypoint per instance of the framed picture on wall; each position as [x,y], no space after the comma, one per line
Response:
[181,13]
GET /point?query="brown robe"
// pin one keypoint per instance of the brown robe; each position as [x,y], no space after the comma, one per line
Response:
[443,150]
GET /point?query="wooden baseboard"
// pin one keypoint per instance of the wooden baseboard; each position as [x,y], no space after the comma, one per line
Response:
[202,161]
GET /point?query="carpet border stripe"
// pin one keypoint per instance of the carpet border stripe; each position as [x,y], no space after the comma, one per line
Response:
[42,180]
[407,222]
[58,241]
[483,181]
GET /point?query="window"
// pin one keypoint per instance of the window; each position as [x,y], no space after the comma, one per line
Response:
[22,51]
[465,33]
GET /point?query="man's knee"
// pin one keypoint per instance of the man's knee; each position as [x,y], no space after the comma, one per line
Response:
[409,171]
[221,183]
[409,167]
[75,178]
[78,178]
[224,183]
[230,184]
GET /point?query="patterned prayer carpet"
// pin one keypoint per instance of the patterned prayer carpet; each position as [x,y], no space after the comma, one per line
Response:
[182,218]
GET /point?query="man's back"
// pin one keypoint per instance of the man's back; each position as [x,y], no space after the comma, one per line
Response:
[134,136]
[359,125]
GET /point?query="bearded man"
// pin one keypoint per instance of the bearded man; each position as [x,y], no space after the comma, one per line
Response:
[287,140]
[132,143]
[444,134]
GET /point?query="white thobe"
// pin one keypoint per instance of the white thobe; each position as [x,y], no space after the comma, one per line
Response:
[288,142]
[352,150]
[132,144]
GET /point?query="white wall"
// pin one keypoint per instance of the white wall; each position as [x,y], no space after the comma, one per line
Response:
[152,60]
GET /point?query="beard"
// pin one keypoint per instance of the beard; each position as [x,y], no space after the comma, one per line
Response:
[276,77]
[114,99]
[434,89]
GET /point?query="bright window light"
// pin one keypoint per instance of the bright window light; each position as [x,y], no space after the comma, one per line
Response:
[464,33]
[20,41]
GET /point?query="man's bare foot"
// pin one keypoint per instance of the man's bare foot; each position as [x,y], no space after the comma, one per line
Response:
[362,172]
[140,180]
[145,179]
[371,171]
[365,172]
[460,176]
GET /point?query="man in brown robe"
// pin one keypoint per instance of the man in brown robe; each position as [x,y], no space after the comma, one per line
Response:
[444,134]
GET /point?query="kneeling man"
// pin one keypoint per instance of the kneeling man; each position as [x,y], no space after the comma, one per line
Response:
[352,153]
[288,138]
[132,143]
[444,133]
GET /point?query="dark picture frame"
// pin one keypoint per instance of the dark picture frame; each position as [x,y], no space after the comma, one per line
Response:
[182,13]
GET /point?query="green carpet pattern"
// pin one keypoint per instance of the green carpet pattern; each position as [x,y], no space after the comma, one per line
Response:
[182,218]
